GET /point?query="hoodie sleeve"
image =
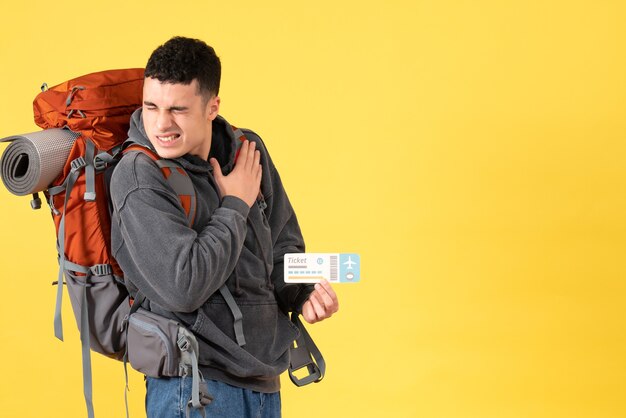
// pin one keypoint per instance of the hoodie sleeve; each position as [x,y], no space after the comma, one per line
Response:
[286,235]
[172,264]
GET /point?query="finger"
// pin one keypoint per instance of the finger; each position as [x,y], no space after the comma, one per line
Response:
[330,304]
[257,158]
[243,154]
[259,174]
[250,156]
[308,313]
[329,292]
[257,168]
[318,306]
[217,170]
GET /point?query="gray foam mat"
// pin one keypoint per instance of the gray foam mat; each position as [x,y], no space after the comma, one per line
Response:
[33,161]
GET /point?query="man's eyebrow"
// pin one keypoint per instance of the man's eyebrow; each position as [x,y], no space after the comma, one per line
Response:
[177,108]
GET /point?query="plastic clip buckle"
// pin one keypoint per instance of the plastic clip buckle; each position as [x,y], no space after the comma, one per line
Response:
[101,270]
[99,164]
[301,358]
[205,397]
[183,343]
[78,163]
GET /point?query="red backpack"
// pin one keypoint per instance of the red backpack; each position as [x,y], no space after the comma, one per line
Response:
[97,107]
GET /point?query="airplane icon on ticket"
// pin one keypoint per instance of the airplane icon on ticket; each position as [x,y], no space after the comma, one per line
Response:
[349,263]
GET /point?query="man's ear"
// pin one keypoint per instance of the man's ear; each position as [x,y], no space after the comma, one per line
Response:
[213,108]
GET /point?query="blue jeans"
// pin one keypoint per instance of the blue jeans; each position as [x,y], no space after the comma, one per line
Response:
[168,397]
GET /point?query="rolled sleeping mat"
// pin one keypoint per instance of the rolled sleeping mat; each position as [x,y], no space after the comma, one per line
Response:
[33,161]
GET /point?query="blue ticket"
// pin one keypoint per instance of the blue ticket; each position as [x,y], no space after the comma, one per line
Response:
[314,267]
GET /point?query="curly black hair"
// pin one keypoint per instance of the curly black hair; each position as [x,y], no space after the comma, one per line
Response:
[181,60]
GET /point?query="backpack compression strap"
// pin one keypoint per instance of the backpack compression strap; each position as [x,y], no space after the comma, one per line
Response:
[78,165]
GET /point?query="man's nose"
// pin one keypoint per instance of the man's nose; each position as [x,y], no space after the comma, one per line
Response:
[164,120]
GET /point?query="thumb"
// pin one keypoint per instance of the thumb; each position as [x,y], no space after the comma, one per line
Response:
[217,170]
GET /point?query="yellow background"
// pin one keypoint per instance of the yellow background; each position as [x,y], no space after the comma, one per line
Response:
[471,151]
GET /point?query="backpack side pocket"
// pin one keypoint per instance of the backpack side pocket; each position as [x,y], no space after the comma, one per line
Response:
[107,306]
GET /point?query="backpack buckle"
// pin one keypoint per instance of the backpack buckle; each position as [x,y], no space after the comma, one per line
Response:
[78,163]
[301,358]
[99,164]
[205,397]
[183,343]
[101,270]
[304,353]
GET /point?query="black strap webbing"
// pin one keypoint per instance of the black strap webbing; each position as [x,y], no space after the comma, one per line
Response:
[305,354]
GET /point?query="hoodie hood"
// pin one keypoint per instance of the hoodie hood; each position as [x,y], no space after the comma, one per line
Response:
[224,145]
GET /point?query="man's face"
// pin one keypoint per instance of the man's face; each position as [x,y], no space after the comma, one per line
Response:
[177,119]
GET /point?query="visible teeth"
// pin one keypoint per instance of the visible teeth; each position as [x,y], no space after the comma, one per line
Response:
[167,138]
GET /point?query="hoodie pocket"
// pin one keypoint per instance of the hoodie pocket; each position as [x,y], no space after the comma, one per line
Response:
[268,333]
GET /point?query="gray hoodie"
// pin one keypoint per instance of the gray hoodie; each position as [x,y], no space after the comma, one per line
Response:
[180,268]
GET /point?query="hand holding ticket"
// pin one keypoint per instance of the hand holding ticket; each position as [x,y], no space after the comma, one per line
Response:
[314,267]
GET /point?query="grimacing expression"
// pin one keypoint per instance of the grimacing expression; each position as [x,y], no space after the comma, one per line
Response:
[177,119]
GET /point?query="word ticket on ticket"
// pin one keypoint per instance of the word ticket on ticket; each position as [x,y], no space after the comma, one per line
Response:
[313,267]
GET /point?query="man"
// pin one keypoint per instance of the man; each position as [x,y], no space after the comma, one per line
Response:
[243,226]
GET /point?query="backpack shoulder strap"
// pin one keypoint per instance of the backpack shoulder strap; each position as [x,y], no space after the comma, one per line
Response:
[241,137]
[176,176]
[305,354]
